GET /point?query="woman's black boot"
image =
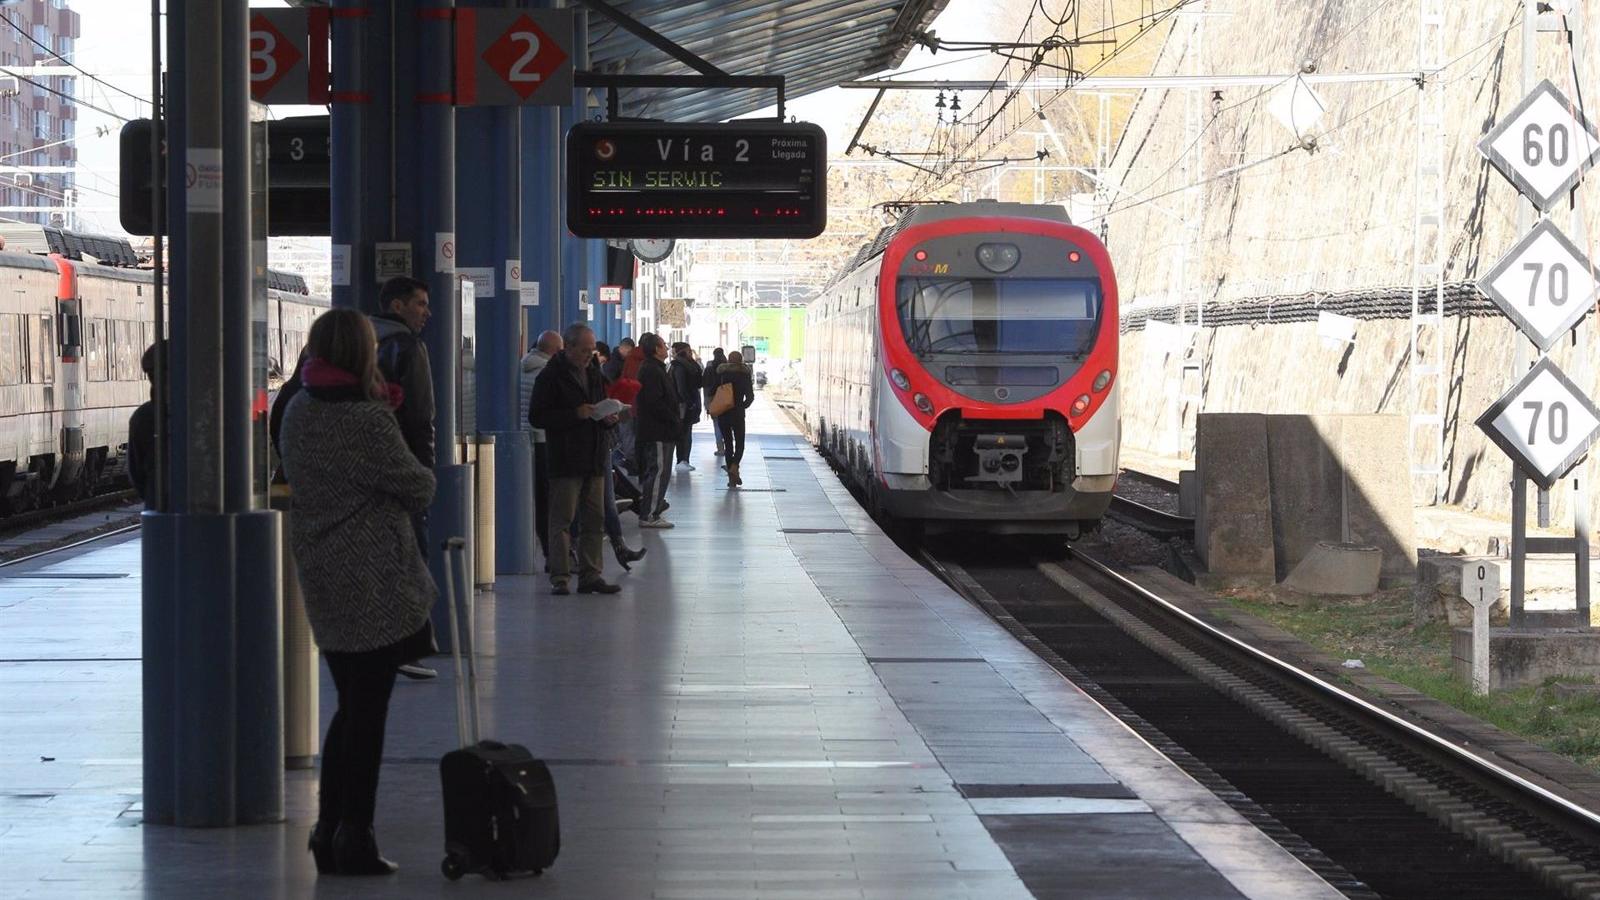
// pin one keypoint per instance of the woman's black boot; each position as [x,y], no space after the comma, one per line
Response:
[321,846]
[355,852]
[625,555]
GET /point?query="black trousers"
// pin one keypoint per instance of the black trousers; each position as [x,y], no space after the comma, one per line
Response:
[685,442]
[541,496]
[353,749]
[732,425]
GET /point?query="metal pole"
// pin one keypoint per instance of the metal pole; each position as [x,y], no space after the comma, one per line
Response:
[158,204]
[233,306]
[574,259]
[1519,546]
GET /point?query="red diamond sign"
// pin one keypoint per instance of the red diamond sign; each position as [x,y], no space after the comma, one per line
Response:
[274,57]
[515,57]
[524,56]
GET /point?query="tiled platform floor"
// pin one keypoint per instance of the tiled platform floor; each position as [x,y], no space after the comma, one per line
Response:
[780,704]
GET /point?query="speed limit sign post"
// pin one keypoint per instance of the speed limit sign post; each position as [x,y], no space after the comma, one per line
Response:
[1546,285]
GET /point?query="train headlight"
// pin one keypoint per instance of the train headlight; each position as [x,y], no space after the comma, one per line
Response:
[1080,406]
[999,257]
[923,403]
[900,380]
[1101,380]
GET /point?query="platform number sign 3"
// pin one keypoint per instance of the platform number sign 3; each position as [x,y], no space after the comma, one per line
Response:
[1544,146]
[1544,423]
[1545,285]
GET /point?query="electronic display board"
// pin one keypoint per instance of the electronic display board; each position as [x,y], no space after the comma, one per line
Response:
[742,179]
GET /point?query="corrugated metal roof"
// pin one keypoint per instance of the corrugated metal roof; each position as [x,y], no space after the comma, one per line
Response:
[815,44]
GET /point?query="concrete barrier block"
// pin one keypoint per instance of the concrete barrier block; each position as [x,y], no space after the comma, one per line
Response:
[1307,486]
[1525,657]
[1375,455]
[1188,493]
[1233,521]
[1340,569]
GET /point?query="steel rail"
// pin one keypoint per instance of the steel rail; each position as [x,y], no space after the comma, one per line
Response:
[1456,752]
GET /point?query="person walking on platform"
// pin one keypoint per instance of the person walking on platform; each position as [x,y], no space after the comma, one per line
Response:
[565,397]
[687,377]
[734,372]
[142,431]
[403,361]
[367,590]
[533,363]
[612,365]
[656,424]
[711,383]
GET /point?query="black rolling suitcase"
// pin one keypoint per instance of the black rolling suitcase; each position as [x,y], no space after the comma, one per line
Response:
[499,802]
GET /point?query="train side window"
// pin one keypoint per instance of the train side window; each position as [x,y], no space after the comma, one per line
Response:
[47,349]
[94,350]
[10,347]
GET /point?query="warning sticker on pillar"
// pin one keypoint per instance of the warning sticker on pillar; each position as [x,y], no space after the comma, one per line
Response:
[513,57]
[203,180]
[529,293]
[339,265]
[444,251]
[482,280]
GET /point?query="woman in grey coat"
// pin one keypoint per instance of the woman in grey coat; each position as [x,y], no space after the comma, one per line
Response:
[367,590]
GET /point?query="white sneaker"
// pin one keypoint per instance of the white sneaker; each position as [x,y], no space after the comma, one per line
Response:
[686,465]
[657,522]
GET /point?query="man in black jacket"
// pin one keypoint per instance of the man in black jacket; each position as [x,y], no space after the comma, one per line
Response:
[403,358]
[579,455]
[142,432]
[687,376]
[657,422]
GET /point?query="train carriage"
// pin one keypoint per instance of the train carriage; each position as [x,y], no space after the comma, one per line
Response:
[963,371]
[76,314]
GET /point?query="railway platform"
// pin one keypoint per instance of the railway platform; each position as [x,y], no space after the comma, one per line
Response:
[780,703]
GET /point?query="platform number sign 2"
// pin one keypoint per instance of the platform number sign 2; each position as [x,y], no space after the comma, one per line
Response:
[513,57]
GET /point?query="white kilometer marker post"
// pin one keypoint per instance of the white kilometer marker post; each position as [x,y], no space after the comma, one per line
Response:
[1480,586]
[1545,285]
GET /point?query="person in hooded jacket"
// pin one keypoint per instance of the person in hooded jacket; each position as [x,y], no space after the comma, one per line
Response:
[656,424]
[533,363]
[712,382]
[367,590]
[736,373]
[142,431]
[688,377]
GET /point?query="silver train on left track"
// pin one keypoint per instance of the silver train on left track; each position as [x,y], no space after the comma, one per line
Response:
[76,314]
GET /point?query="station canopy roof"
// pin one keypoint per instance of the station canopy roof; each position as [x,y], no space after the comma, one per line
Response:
[815,44]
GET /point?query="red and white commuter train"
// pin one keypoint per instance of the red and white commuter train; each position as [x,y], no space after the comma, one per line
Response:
[962,370]
[76,314]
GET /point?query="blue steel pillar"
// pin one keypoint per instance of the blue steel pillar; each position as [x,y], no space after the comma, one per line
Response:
[594,261]
[487,200]
[424,216]
[542,225]
[362,198]
[211,644]
[574,262]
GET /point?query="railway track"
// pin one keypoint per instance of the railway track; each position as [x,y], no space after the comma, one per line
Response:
[1375,804]
[1150,520]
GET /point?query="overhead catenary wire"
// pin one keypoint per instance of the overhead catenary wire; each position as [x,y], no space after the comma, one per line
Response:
[86,73]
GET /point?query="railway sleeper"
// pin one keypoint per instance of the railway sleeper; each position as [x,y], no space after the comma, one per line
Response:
[1490,834]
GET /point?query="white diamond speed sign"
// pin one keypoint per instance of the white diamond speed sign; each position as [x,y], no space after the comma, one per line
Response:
[1544,146]
[1544,423]
[1545,285]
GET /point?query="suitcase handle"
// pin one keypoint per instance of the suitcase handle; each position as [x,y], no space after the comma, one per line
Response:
[467,717]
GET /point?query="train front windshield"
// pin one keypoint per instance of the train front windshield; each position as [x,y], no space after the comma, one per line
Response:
[1054,316]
